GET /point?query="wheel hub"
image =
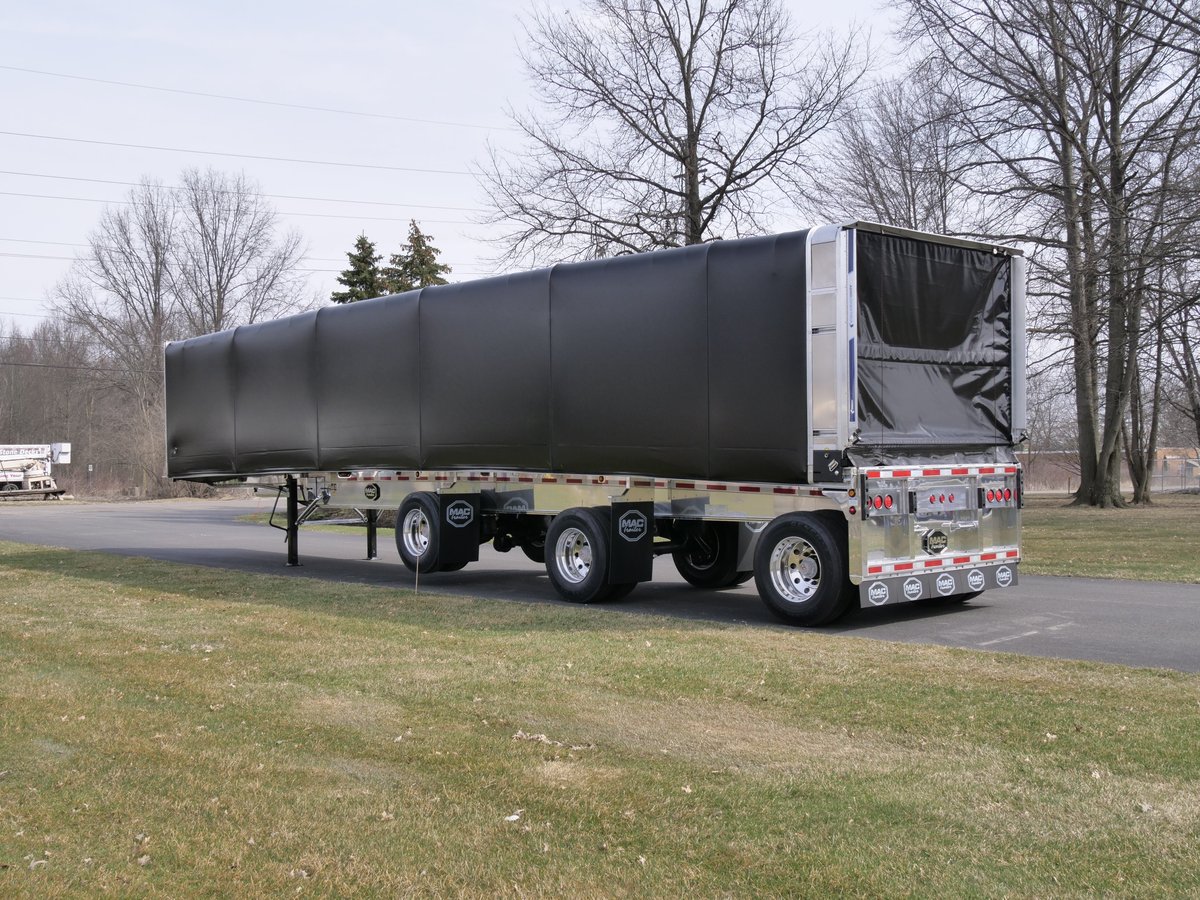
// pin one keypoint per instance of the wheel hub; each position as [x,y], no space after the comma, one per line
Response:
[573,555]
[416,532]
[795,569]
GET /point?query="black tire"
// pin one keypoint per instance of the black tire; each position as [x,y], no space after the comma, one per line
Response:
[577,556]
[10,486]
[535,550]
[743,577]
[418,530]
[709,556]
[800,569]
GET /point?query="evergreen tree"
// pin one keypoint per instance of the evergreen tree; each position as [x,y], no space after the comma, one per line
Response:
[416,265]
[363,279]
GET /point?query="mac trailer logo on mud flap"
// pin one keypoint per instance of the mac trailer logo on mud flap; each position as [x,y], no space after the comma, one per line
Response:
[460,513]
[1004,576]
[878,593]
[371,492]
[912,588]
[945,584]
[975,580]
[936,542]
[632,526]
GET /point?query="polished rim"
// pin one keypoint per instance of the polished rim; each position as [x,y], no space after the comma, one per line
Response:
[795,569]
[415,531]
[573,554]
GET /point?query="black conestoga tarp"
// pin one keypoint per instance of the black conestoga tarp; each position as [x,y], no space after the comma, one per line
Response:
[685,363]
[681,363]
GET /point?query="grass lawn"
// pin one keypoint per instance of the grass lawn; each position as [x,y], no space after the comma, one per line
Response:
[1155,543]
[177,731]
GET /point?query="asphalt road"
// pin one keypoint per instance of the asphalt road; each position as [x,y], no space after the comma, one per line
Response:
[1133,623]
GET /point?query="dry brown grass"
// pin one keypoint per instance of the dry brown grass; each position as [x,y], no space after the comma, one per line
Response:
[268,735]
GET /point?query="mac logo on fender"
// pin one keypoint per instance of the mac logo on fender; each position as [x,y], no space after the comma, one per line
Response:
[460,514]
[632,526]
[371,492]
[878,593]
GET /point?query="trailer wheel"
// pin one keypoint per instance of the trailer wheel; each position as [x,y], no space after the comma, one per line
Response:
[577,556]
[800,570]
[417,532]
[535,550]
[709,557]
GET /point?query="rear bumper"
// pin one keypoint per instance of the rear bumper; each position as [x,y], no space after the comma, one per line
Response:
[904,587]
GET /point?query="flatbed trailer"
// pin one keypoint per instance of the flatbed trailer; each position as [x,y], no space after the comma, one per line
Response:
[831,412]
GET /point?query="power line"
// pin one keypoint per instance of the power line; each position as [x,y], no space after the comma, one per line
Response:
[272,196]
[280,212]
[279,103]
[4,254]
[335,259]
[83,368]
[287,159]
[54,343]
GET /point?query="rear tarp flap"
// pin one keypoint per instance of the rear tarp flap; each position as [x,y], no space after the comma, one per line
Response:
[934,358]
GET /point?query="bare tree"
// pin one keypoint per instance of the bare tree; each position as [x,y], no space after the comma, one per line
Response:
[231,265]
[900,157]
[169,263]
[1086,112]
[121,293]
[663,122]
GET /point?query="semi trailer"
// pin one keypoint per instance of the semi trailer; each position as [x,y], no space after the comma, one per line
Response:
[832,412]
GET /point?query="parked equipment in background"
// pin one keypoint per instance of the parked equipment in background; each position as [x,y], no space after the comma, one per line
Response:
[25,470]
[832,412]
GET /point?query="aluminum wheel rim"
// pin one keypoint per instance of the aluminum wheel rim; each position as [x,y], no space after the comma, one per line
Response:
[795,570]
[573,555]
[416,532]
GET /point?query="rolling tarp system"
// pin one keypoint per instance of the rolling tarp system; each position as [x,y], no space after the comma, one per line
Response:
[680,363]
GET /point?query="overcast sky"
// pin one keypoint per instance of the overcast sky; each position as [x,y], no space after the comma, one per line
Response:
[454,64]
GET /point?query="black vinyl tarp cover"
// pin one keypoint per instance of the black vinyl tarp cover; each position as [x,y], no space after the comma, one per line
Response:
[935,344]
[682,363]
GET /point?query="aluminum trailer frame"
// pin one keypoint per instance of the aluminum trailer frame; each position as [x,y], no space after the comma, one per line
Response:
[948,531]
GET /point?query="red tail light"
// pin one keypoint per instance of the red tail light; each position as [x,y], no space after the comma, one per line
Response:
[887,501]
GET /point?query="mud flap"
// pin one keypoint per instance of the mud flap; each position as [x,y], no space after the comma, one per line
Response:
[936,584]
[631,543]
[459,533]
